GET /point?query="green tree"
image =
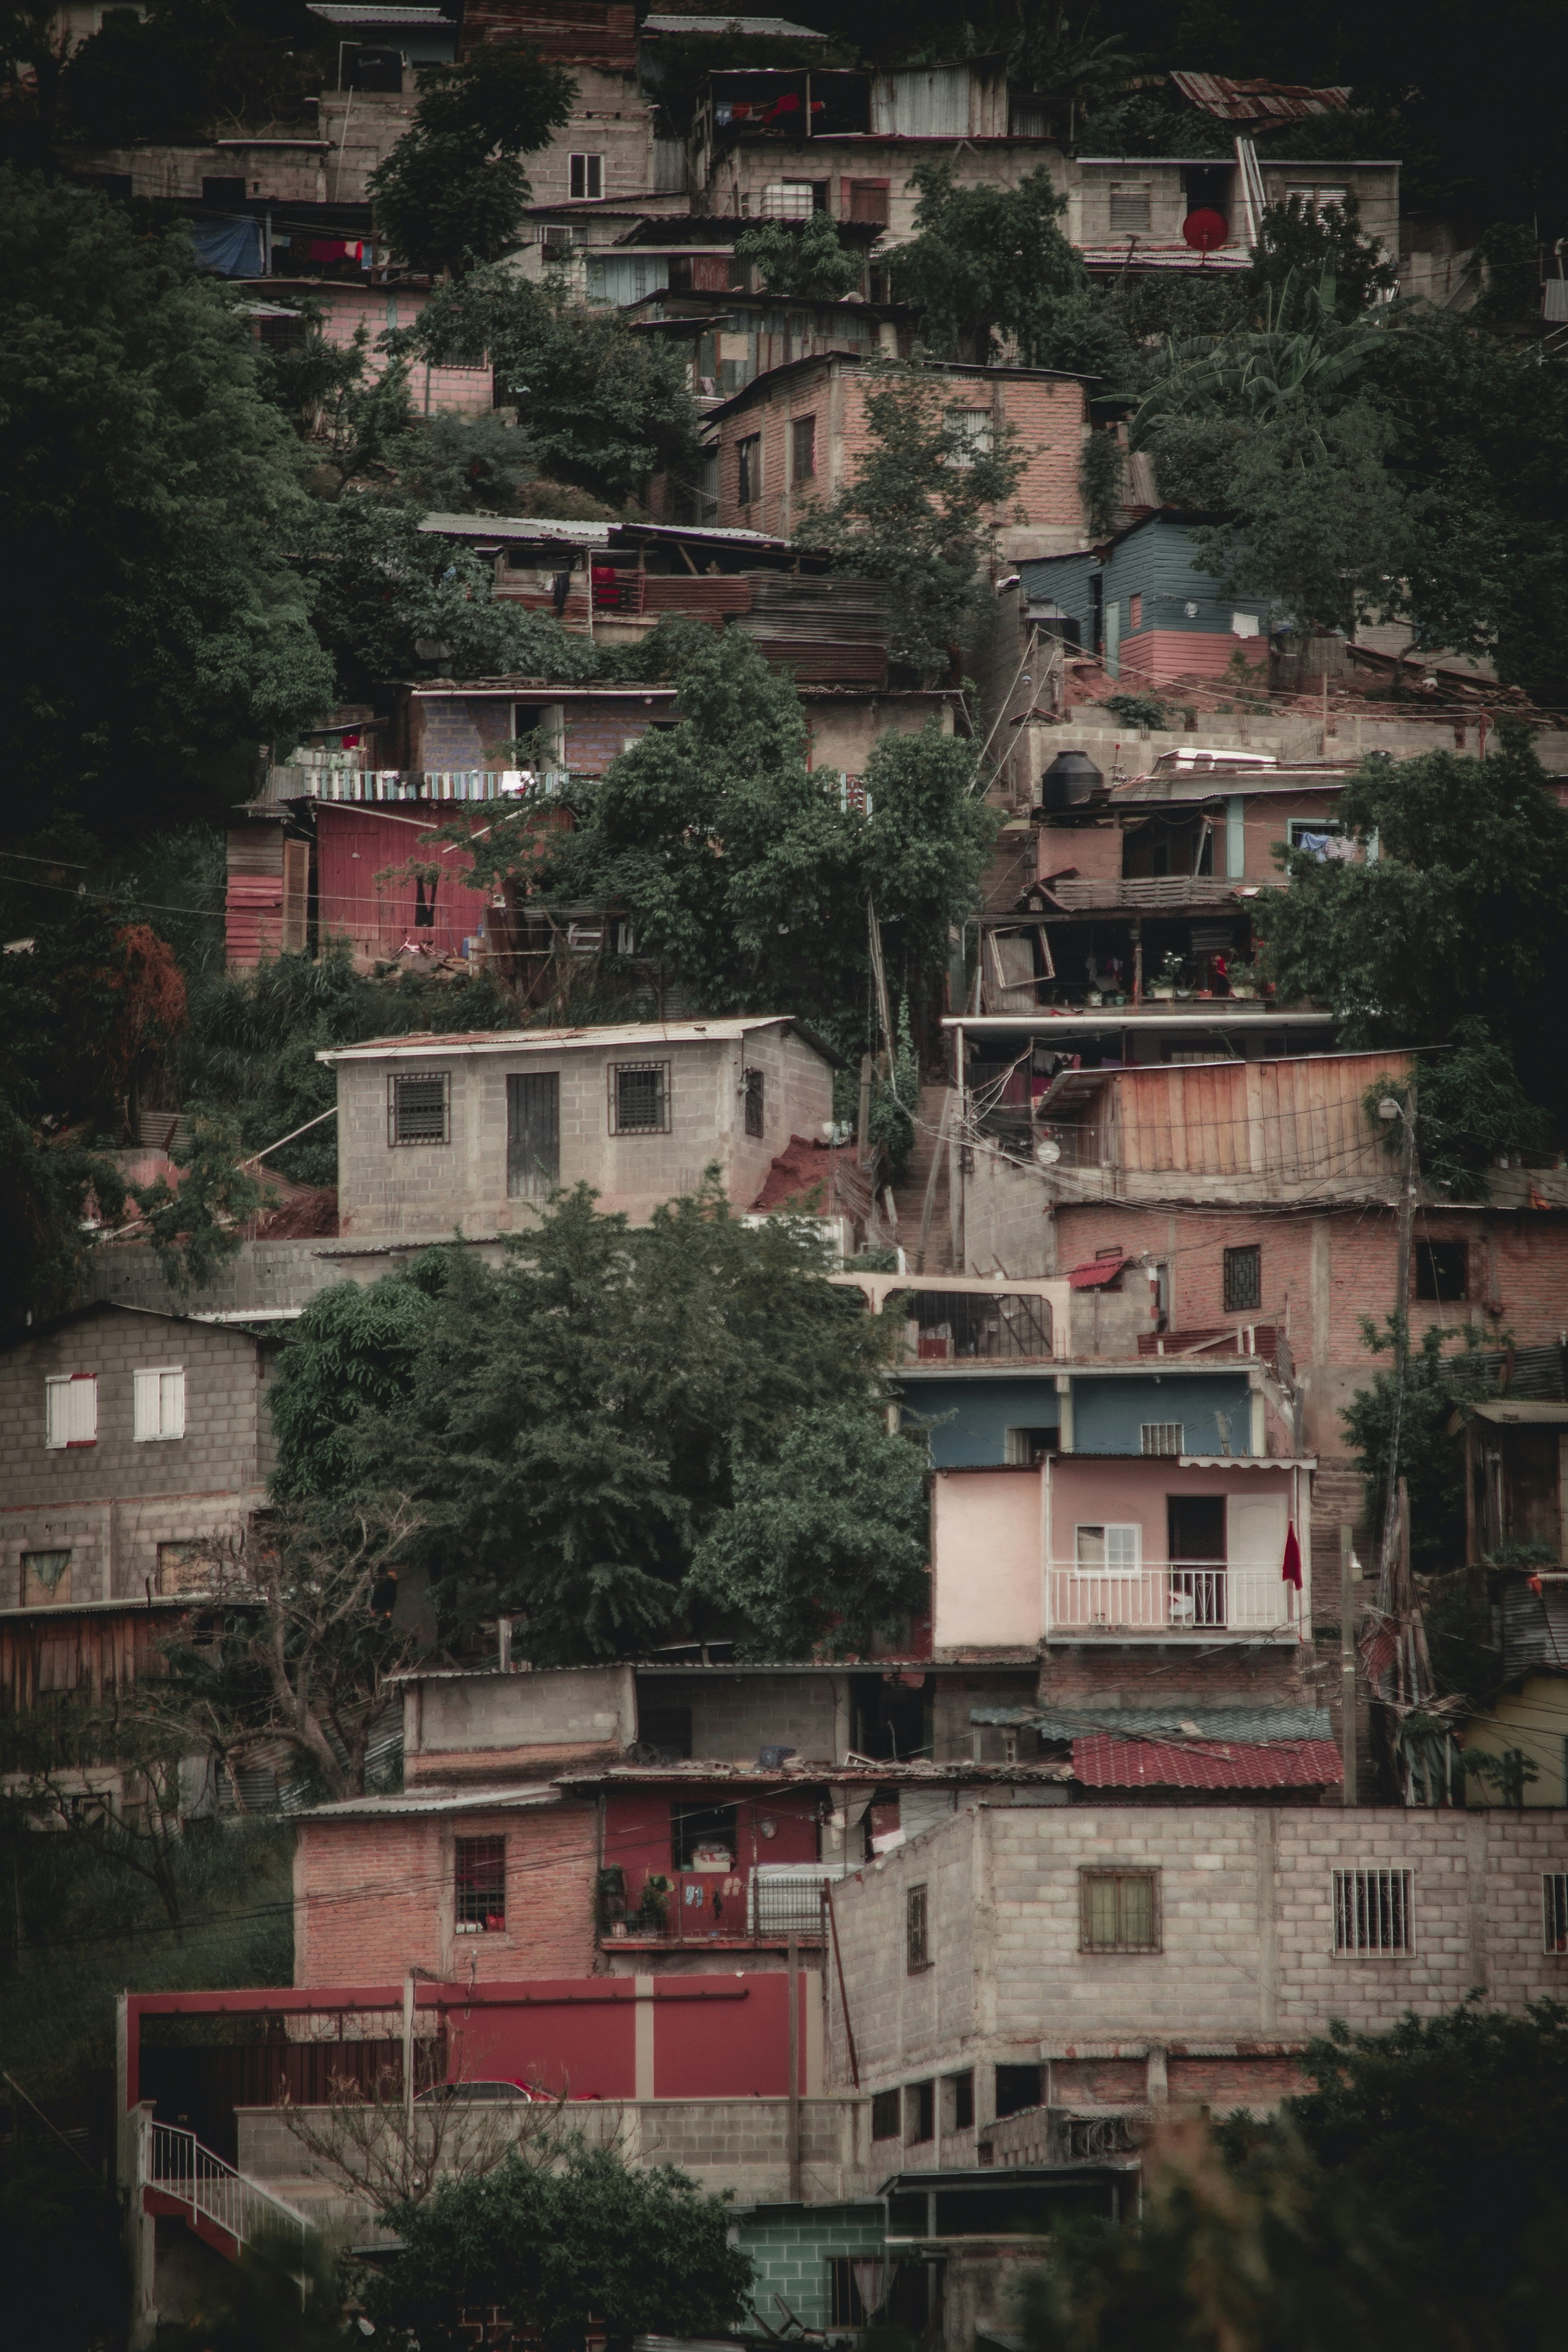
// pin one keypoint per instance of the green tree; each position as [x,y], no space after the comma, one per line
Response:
[805,258]
[157,496]
[1412,2197]
[1296,240]
[988,268]
[586,2242]
[571,1423]
[170,75]
[605,408]
[452,193]
[919,512]
[354,1348]
[284,2293]
[738,865]
[1455,918]
[826,1547]
[1420,1399]
[1317,522]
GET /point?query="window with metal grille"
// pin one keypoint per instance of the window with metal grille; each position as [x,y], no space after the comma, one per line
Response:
[586,175]
[1130,206]
[1442,1270]
[46,1577]
[754,1102]
[1243,1279]
[1372,1913]
[639,1098]
[1162,1437]
[533,1135]
[479,1886]
[418,1107]
[1119,1910]
[952,1324]
[749,468]
[920,2113]
[1554,1911]
[802,448]
[71,1410]
[885,2115]
[158,1399]
[917,1930]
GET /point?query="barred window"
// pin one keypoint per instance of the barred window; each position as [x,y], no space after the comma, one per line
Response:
[1243,1279]
[639,1098]
[917,1930]
[1372,1913]
[885,2115]
[418,1107]
[1554,1910]
[479,1889]
[754,1102]
[1162,1437]
[1119,1910]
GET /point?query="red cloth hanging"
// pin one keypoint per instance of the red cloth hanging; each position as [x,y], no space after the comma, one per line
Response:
[1291,1570]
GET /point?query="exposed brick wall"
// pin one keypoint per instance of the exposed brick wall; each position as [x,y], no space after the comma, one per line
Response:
[1049,412]
[374,1897]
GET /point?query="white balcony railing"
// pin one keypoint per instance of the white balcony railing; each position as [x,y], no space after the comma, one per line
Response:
[1170,1597]
[176,2162]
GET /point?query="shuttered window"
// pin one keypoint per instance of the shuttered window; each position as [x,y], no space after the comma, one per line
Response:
[418,1107]
[1128,206]
[71,1410]
[160,1402]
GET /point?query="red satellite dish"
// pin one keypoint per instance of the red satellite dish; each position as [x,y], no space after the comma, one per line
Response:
[1205,230]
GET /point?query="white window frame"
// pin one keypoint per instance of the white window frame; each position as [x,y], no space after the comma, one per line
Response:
[70,1411]
[1128,1536]
[1355,1889]
[158,1403]
[1554,1912]
[590,171]
[791,200]
[1164,1438]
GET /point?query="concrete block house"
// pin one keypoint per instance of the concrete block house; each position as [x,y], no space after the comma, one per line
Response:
[476,1132]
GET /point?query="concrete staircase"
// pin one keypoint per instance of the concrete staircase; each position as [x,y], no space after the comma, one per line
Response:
[909,1199]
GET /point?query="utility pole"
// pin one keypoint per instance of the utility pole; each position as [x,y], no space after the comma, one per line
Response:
[1347,1663]
[792,2110]
[1391,1109]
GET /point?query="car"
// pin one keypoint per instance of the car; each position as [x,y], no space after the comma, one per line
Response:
[466,2094]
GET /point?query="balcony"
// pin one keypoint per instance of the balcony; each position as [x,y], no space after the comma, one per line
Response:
[303,781]
[1169,893]
[766,1903]
[1175,1598]
[959,1327]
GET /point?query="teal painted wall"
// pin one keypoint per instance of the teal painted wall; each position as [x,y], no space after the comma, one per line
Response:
[792,2246]
[1157,562]
[968,1420]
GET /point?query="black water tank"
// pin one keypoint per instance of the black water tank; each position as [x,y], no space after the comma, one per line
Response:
[1071,777]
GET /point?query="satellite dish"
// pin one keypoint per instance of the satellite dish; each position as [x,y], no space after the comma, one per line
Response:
[1048,1151]
[1205,230]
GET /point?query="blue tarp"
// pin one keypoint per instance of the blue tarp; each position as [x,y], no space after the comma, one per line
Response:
[231,247]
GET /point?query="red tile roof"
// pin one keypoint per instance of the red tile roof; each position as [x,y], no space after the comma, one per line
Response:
[1096,1274]
[1102,1762]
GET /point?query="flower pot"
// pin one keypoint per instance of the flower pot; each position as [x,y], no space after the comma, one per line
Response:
[1095,997]
[1164,995]
[1241,989]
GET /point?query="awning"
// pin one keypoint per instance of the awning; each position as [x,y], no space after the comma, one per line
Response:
[1101,1763]
[1098,1273]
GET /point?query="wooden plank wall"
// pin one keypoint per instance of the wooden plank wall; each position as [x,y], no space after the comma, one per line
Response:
[1301,1120]
[99,1655]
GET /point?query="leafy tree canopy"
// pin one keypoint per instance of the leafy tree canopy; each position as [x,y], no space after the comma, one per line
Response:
[1327,248]
[1412,2197]
[805,258]
[164,632]
[918,513]
[572,1426]
[602,408]
[451,193]
[171,75]
[988,268]
[585,2241]
[1459,909]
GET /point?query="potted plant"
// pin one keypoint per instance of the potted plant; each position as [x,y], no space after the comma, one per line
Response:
[1243,979]
[1168,979]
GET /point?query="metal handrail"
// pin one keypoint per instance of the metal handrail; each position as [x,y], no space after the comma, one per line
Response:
[175,2161]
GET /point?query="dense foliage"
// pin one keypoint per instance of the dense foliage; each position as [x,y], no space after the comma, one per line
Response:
[1412,2197]
[452,193]
[805,257]
[586,2241]
[165,632]
[571,1428]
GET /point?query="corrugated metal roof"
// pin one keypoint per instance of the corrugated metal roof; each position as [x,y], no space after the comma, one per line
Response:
[754,28]
[555,1041]
[1513,1412]
[1100,1762]
[468,1801]
[1248,1726]
[1260,101]
[813,1770]
[1096,1274]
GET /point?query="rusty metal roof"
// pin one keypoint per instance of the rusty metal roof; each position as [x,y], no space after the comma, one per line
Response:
[1260,101]
[1100,1762]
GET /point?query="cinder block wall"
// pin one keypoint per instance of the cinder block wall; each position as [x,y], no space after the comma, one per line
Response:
[1248,1969]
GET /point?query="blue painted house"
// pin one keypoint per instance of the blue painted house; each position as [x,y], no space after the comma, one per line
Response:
[979,1417]
[1142,604]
